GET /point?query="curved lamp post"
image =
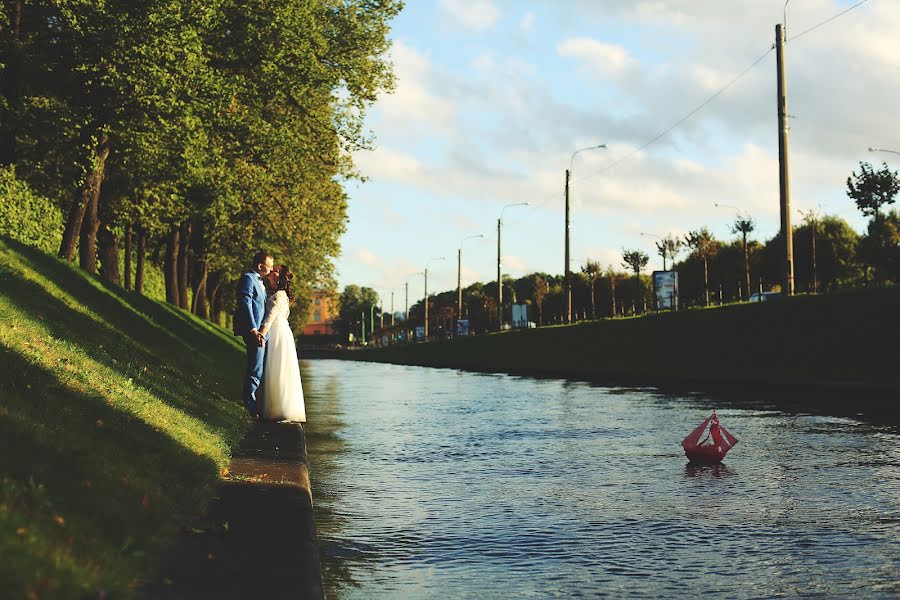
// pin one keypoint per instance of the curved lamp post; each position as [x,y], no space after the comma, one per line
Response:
[430,260]
[459,275]
[659,237]
[568,272]
[500,265]
[884,150]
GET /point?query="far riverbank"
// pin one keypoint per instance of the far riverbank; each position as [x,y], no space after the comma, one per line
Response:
[844,343]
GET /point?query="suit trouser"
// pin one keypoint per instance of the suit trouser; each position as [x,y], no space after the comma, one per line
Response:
[256,356]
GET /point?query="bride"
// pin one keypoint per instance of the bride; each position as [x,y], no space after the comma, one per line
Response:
[282,392]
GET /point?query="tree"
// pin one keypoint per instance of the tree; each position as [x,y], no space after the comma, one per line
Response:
[613,277]
[744,225]
[594,271]
[539,289]
[635,260]
[879,249]
[355,306]
[669,247]
[872,189]
[704,246]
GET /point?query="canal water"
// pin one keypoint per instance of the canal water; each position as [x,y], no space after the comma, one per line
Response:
[435,483]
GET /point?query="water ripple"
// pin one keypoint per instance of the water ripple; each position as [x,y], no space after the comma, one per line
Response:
[441,484]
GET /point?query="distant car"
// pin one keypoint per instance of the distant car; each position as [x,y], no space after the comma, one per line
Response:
[765,297]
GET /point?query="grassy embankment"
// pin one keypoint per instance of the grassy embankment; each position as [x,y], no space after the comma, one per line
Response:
[117,414]
[849,339]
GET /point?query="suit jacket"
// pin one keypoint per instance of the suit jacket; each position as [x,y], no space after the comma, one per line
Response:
[251,304]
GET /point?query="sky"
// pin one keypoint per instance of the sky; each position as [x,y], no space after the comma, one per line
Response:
[494,97]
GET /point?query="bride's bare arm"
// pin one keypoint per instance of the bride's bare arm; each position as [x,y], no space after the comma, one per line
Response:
[279,307]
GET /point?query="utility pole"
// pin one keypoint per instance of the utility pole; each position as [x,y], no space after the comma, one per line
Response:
[783,170]
[499,280]
[458,287]
[392,308]
[406,311]
[567,274]
[426,304]
[362,324]
[372,321]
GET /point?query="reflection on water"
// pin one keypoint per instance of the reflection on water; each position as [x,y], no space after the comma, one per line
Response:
[438,483]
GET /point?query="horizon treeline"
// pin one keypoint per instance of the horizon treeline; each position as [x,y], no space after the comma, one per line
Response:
[181,137]
[828,254]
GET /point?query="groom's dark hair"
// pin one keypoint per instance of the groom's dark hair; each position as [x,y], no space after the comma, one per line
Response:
[260,258]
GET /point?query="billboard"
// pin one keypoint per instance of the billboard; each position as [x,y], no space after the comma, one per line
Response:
[519,316]
[462,327]
[665,290]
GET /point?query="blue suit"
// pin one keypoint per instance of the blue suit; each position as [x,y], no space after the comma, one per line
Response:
[251,307]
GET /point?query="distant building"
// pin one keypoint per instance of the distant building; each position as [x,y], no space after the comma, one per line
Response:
[322,312]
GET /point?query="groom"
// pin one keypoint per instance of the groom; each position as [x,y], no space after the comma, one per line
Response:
[251,306]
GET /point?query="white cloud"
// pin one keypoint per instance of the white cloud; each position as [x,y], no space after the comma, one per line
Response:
[475,15]
[608,58]
[498,121]
[413,102]
[527,22]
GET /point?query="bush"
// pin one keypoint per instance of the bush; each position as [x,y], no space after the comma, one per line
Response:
[26,216]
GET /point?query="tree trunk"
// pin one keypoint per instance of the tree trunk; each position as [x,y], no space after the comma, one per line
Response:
[199,306]
[129,235]
[171,269]
[182,266]
[212,296]
[612,293]
[109,255]
[747,264]
[705,283]
[85,196]
[815,279]
[87,246]
[139,267]
[12,88]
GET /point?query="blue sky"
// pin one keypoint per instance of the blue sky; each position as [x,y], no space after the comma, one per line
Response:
[494,96]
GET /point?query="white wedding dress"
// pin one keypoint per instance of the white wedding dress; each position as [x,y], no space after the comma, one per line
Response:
[282,392]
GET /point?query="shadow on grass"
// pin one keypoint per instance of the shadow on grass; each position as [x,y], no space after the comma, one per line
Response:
[179,371]
[115,488]
[150,321]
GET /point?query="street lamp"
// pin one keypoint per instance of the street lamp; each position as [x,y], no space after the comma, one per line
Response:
[883,150]
[568,272]
[459,275]
[500,264]
[406,304]
[660,239]
[430,260]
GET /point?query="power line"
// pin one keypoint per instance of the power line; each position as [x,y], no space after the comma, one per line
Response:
[828,20]
[682,119]
[717,94]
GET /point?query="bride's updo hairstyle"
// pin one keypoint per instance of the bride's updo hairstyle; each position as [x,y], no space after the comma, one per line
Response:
[285,276]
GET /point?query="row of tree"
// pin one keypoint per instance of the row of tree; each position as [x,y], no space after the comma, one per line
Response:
[828,253]
[190,134]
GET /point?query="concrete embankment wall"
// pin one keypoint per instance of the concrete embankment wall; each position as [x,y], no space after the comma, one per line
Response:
[845,341]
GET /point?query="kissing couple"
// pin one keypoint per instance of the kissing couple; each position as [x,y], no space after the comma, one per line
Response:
[272,389]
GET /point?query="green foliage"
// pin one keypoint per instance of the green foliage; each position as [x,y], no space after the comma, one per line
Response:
[873,189]
[880,247]
[26,216]
[237,119]
[355,305]
[635,260]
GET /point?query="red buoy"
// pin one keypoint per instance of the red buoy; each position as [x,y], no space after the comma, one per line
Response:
[714,447]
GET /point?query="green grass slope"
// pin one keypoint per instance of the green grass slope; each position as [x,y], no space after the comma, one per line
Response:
[117,414]
[849,339]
